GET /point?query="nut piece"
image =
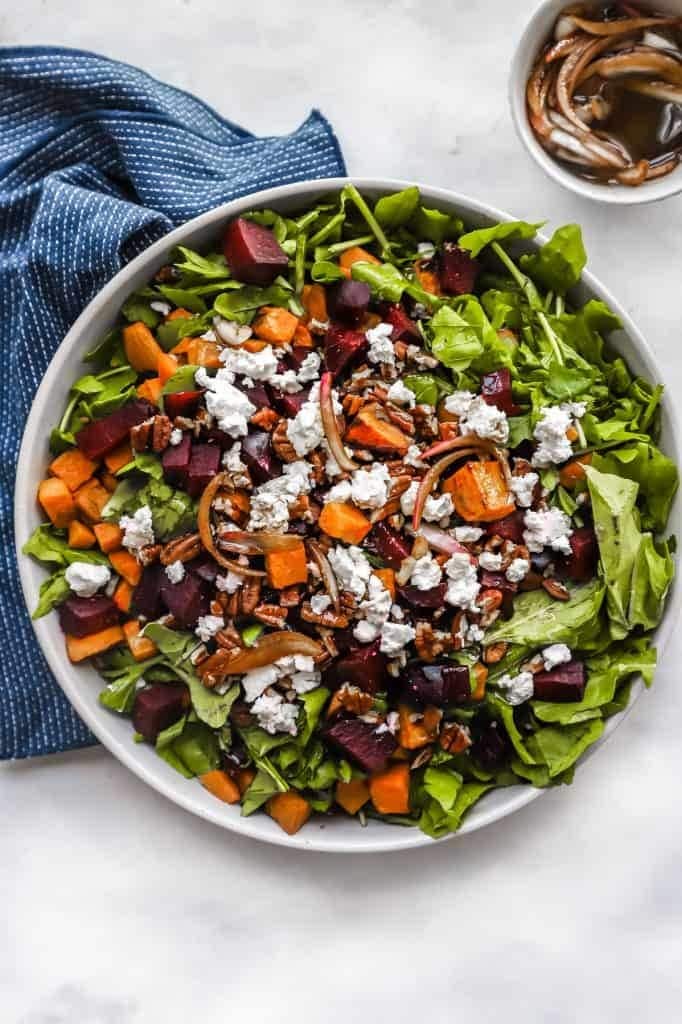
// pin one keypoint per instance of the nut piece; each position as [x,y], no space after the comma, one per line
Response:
[454,738]
[140,435]
[181,549]
[281,444]
[494,652]
[271,615]
[350,698]
[161,433]
[265,418]
[328,618]
[249,595]
[149,554]
[556,590]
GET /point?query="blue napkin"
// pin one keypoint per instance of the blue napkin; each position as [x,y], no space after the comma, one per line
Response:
[97,161]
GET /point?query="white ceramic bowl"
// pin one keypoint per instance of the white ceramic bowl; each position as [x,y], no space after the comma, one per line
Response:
[82,684]
[537,31]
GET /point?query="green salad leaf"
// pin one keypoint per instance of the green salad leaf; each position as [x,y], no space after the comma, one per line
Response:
[475,241]
[559,263]
[173,511]
[384,279]
[538,620]
[48,545]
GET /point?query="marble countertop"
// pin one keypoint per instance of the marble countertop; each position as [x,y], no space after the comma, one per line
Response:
[118,907]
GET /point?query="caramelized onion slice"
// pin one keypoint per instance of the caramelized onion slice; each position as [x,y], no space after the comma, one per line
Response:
[206,533]
[326,572]
[615,27]
[244,543]
[430,479]
[465,441]
[331,427]
[440,540]
[271,648]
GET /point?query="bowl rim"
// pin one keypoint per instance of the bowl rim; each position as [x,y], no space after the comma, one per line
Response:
[382,838]
[527,47]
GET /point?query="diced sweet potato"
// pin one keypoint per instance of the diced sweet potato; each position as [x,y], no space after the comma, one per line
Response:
[286,568]
[219,784]
[141,647]
[368,430]
[275,325]
[390,789]
[57,502]
[127,566]
[344,522]
[109,482]
[73,468]
[178,314]
[302,337]
[204,353]
[151,390]
[290,810]
[416,734]
[80,648]
[480,493]
[166,366]
[355,255]
[429,280]
[80,536]
[314,300]
[387,577]
[90,499]
[572,476]
[480,674]
[352,795]
[123,596]
[141,347]
[109,536]
[244,777]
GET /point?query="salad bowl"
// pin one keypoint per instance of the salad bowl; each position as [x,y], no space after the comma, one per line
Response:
[81,683]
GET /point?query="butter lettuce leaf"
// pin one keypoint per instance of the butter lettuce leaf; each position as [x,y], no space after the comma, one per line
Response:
[538,620]
[656,474]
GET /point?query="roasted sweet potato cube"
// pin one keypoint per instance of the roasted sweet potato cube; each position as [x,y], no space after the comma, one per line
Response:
[480,493]
[370,431]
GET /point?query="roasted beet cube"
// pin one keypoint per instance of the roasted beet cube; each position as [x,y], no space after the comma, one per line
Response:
[497,581]
[509,528]
[258,396]
[102,436]
[181,403]
[362,665]
[582,562]
[147,600]
[205,568]
[259,458]
[348,301]
[204,463]
[175,461]
[186,600]
[432,598]
[297,356]
[563,683]
[288,405]
[157,706]
[438,684]
[496,389]
[253,253]
[360,742]
[81,616]
[342,348]
[404,329]
[389,545]
[491,748]
[457,271]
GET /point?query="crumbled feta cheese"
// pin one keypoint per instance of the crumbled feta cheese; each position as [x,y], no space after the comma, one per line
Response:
[459,403]
[258,680]
[548,528]
[85,579]
[270,502]
[489,561]
[208,336]
[230,331]
[555,654]
[309,369]
[380,345]
[208,625]
[474,633]
[175,571]
[408,498]
[399,394]
[228,404]
[274,714]
[137,529]
[463,585]
[319,603]
[375,611]
[369,488]
[229,584]
[303,682]
[517,570]
[550,433]
[339,492]
[468,534]
[255,365]
[426,573]
[393,721]
[158,306]
[175,436]
[413,457]
[305,430]
[485,421]
[351,569]
[516,689]
[395,636]
[522,488]
[438,508]
[287,382]
[232,461]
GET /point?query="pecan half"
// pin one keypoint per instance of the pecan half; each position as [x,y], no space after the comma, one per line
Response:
[149,554]
[161,433]
[351,699]
[556,590]
[271,615]
[140,435]
[249,595]
[181,549]
[265,418]
[454,738]
[281,444]
[328,618]
[430,642]
[290,597]
[494,653]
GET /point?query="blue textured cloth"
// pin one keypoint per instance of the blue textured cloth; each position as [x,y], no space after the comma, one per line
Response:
[97,161]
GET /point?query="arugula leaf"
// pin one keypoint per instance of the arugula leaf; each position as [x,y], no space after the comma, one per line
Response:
[53,591]
[173,511]
[46,545]
[123,673]
[384,279]
[560,747]
[475,241]
[395,210]
[313,701]
[105,349]
[183,298]
[428,388]
[538,620]
[211,266]
[260,790]
[137,307]
[143,462]
[172,332]
[241,304]
[558,264]
[326,272]
[455,342]
[443,785]
[197,748]
[434,226]
[182,380]
[437,822]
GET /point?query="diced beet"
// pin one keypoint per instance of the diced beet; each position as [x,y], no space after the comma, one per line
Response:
[253,253]
[432,598]
[342,348]
[175,461]
[498,581]
[438,684]
[564,683]
[491,748]
[582,562]
[258,396]
[102,436]
[259,458]
[222,439]
[509,528]
[389,545]
[456,269]
[348,301]
[404,329]
[363,665]
[186,600]
[297,356]
[157,706]
[361,743]
[496,389]
[181,403]
[81,616]
[204,463]
[147,594]
[204,567]
[289,405]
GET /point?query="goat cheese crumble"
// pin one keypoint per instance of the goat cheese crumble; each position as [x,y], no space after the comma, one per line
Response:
[370,487]
[547,528]
[550,433]
[426,573]
[394,637]
[516,689]
[137,529]
[463,585]
[490,561]
[522,488]
[380,344]
[437,508]
[208,625]
[270,502]
[175,571]
[305,430]
[230,583]
[85,578]
[517,570]
[255,365]
[468,534]
[230,406]
[232,460]
[555,654]
[319,603]
[175,437]
[351,569]
[401,395]
[375,610]
[413,457]
[275,715]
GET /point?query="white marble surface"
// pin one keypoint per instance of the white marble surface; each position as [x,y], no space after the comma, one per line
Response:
[119,908]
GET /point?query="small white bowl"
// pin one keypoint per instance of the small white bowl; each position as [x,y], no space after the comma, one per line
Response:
[81,683]
[536,33]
